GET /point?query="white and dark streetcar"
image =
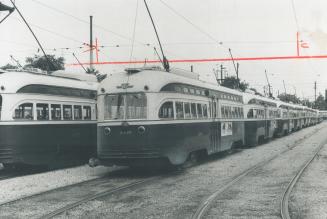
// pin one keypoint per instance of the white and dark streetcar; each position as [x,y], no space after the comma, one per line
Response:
[148,114]
[47,119]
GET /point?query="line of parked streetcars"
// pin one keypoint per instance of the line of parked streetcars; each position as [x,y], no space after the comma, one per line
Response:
[144,116]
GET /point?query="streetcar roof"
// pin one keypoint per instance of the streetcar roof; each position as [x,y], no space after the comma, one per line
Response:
[248,97]
[11,82]
[155,80]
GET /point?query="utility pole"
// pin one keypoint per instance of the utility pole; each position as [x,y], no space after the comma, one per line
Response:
[294,90]
[315,92]
[221,73]
[270,95]
[91,42]
[284,87]
[238,80]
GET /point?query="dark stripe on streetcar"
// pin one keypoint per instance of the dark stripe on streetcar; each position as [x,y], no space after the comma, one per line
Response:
[58,90]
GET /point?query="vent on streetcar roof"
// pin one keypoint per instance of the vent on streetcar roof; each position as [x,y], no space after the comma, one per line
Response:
[132,70]
[76,76]
[137,70]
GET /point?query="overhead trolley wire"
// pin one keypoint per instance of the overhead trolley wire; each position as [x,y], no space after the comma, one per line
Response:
[190,22]
[52,32]
[295,15]
[85,21]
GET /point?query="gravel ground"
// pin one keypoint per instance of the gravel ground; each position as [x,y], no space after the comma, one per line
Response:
[178,196]
[258,195]
[37,206]
[309,196]
[18,187]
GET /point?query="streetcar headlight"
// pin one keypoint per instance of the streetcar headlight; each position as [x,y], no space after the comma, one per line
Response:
[107,131]
[141,130]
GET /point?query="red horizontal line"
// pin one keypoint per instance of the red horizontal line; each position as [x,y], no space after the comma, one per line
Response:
[206,60]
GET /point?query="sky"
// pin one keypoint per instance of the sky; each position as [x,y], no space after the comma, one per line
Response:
[188,29]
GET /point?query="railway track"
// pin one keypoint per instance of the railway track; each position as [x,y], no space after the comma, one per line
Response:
[48,191]
[285,199]
[104,193]
[205,205]
[103,182]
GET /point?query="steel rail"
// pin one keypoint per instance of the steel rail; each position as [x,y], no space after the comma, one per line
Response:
[101,194]
[52,190]
[206,204]
[284,210]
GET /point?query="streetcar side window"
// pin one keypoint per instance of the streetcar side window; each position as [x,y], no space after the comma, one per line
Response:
[77,112]
[199,108]
[222,112]
[179,110]
[193,110]
[42,110]
[233,112]
[210,110]
[86,112]
[24,111]
[166,111]
[187,109]
[215,109]
[250,114]
[205,110]
[238,110]
[55,111]
[67,112]
[227,112]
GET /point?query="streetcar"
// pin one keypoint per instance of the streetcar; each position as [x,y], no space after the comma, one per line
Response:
[166,119]
[322,115]
[148,115]
[46,119]
[262,115]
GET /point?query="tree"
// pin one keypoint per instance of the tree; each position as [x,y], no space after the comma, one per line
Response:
[255,91]
[42,63]
[8,66]
[234,83]
[289,98]
[320,102]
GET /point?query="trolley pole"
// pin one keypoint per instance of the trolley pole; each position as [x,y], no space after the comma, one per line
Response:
[269,86]
[91,42]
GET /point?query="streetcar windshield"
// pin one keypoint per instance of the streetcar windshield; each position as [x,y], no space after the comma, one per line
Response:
[125,106]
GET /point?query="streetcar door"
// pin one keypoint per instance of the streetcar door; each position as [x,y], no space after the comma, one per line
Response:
[214,128]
